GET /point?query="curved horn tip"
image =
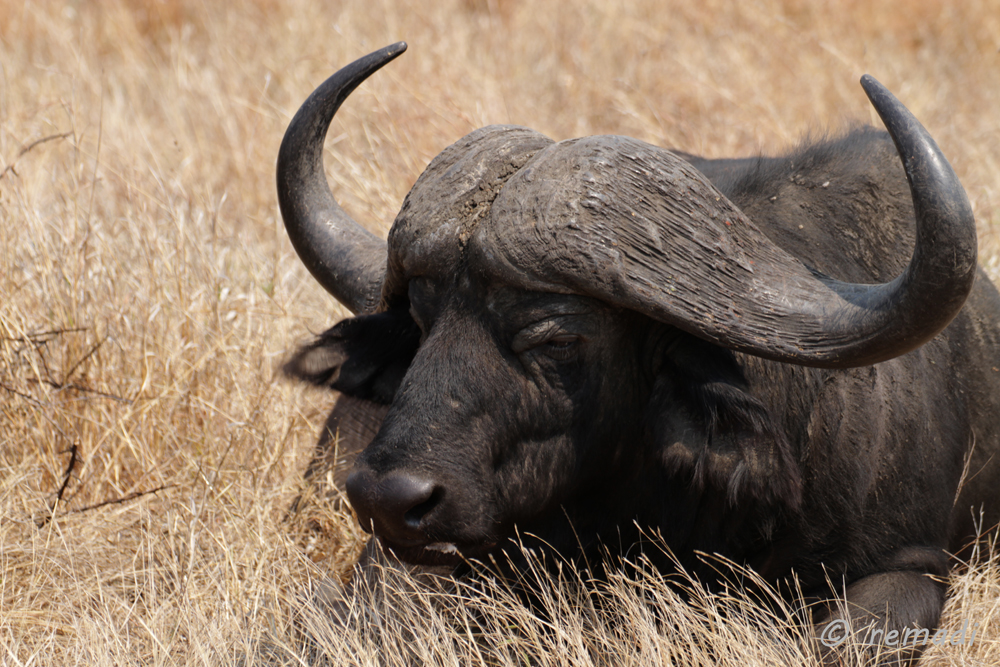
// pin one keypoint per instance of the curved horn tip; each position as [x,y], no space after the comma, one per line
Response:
[385,55]
[897,118]
[871,85]
[887,105]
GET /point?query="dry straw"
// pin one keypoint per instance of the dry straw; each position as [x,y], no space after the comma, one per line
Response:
[148,448]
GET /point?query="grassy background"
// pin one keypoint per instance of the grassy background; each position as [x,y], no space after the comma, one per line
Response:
[148,292]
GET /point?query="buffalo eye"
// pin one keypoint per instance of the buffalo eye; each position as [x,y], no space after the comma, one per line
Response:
[558,336]
[561,347]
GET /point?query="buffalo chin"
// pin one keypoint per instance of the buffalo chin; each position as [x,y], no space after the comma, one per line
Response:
[436,554]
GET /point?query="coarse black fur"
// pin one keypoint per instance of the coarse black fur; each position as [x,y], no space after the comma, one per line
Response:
[604,426]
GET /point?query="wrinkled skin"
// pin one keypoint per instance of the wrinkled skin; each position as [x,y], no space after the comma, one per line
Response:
[589,425]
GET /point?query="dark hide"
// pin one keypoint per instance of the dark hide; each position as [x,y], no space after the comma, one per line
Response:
[521,398]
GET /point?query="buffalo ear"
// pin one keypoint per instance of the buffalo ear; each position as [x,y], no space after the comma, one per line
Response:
[712,430]
[365,357]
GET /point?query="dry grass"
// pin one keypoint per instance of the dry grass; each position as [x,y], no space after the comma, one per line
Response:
[147,290]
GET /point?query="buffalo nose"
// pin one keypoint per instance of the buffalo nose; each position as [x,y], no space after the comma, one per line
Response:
[392,506]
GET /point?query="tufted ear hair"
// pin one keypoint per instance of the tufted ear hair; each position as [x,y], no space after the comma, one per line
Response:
[365,357]
[711,429]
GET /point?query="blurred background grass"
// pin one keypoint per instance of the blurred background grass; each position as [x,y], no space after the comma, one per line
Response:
[148,292]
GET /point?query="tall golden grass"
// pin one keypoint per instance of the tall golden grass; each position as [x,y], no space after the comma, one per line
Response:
[149,448]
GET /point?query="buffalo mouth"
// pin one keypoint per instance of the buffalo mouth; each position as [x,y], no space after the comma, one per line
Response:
[435,554]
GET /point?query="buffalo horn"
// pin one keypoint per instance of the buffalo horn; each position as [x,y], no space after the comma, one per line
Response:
[929,293]
[637,226]
[346,259]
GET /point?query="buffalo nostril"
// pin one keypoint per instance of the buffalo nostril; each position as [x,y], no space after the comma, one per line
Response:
[407,498]
[415,514]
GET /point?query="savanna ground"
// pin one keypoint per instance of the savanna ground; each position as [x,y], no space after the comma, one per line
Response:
[149,447]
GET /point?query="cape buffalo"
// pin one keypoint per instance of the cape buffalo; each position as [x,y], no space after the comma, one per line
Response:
[792,362]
